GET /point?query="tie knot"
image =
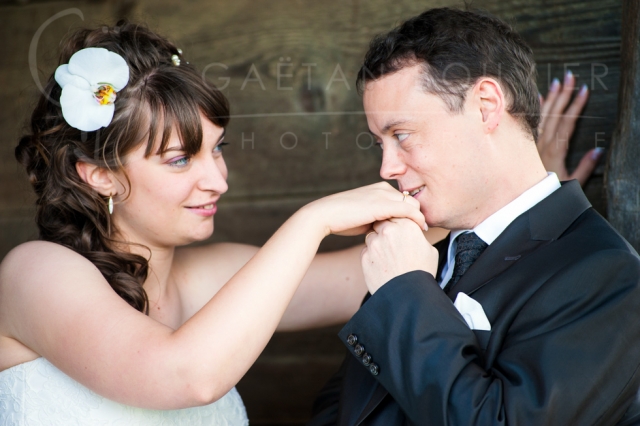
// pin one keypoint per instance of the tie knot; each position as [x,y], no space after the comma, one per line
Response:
[469,242]
[469,247]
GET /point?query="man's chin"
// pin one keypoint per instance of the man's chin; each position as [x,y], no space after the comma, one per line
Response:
[433,221]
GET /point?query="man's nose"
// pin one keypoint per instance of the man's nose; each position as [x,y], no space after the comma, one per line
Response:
[393,164]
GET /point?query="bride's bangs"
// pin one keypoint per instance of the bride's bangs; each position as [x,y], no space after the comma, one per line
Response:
[175,100]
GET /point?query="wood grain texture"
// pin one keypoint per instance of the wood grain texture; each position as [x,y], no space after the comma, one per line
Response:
[249,43]
[282,385]
[307,141]
[623,171]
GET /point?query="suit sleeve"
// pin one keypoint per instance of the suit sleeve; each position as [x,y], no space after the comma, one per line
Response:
[570,356]
[325,408]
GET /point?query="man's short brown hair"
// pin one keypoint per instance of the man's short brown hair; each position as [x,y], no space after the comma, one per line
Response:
[457,48]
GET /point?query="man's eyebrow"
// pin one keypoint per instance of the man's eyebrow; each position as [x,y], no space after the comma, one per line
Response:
[392,124]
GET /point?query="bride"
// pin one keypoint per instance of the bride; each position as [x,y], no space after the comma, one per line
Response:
[107,319]
[104,313]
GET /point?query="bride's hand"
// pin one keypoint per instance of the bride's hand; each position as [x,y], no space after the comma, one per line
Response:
[352,212]
[558,121]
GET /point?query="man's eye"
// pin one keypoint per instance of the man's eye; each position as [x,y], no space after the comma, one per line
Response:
[401,136]
[180,162]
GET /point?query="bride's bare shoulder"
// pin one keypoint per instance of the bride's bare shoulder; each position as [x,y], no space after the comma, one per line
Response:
[38,278]
[37,259]
[44,250]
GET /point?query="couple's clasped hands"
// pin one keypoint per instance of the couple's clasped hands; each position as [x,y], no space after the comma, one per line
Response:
[394,247]
[395,243]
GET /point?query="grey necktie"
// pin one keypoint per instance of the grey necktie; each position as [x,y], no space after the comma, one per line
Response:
[468,250]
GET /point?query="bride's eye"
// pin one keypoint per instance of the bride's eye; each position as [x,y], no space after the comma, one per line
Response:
[179,162]
[218,147]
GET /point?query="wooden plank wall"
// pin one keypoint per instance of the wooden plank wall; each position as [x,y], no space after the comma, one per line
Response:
[298,136]
[623,169]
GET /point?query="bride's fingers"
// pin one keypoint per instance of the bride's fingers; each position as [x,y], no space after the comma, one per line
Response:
[547,103]
[586,165]
[379,201]
[556,111]
[412,201]
[409,206]
[568,121]
[406,210]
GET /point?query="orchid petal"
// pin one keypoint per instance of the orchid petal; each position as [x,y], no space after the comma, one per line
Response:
[98,66]
[81,110]
[64,77]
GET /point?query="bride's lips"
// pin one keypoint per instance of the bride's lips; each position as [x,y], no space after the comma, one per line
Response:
[204,210]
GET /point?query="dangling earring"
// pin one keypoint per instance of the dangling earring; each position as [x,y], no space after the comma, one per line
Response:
[110,204]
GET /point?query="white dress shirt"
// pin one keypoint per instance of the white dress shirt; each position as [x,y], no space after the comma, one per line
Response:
[495,224]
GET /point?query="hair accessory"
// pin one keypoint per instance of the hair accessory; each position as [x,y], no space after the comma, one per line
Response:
[110,204]
[90,83]
[175,59]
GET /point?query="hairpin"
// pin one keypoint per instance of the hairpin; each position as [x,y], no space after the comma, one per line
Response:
[175,59]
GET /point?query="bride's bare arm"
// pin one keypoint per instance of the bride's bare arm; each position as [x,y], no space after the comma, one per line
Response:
[333,288]
[65,311]
[330,292]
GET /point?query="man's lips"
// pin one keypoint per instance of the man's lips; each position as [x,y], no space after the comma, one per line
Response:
[413,192]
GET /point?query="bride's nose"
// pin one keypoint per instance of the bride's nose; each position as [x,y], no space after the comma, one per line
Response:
[212,175]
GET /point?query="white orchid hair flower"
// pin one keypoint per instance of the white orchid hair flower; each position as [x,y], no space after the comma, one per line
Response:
[90,83]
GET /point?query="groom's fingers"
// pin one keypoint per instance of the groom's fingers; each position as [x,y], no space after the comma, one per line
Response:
[379,225]
[411,210]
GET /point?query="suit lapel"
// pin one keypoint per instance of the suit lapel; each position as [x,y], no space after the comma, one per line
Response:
[511,246]
[533,229]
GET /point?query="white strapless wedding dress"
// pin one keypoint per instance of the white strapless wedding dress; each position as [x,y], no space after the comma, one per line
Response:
[38,394]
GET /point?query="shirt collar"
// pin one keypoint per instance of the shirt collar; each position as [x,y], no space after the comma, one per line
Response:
[495,224]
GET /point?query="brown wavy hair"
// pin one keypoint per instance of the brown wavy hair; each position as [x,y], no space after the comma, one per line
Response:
[159,97]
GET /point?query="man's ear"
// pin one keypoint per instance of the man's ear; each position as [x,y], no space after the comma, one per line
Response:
[492,103]
[99,178]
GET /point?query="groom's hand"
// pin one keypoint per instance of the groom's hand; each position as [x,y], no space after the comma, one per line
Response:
[395,247]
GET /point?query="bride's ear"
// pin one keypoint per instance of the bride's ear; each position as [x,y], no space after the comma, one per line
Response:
[99,178]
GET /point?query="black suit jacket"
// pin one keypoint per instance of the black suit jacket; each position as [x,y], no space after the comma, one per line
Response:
[561,289]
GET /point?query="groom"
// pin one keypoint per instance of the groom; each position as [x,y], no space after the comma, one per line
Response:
[528,313]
